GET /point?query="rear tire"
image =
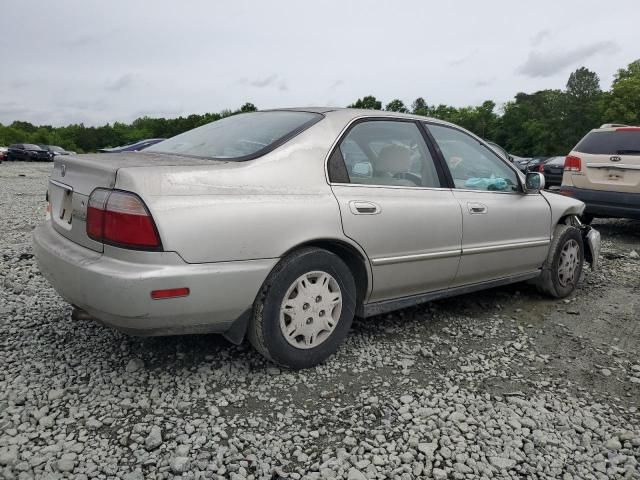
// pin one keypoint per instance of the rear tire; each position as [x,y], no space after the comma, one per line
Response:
[563,267]
[304,309]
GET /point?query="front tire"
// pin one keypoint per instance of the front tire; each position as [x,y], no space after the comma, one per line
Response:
[304,309]
[563,267]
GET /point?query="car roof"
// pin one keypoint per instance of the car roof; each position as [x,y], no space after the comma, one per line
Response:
[352,113]
[610,127]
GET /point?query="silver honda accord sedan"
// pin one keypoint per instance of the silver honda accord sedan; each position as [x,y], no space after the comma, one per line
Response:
[283,225]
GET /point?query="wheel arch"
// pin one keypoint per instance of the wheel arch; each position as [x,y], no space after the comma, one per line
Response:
[353,256]
[355,259]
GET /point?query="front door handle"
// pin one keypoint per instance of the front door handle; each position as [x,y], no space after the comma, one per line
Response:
[476,208]
[360,207]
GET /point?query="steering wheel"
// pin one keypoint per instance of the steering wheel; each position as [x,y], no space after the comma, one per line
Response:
[412,177]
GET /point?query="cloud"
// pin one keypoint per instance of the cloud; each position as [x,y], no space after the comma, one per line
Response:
[120,83]
[336,84]
[15,110]
[540,36]
[271,81]
[547,64]
[93,105]
[464,59]
[84,40]
[485,82]
[16,84]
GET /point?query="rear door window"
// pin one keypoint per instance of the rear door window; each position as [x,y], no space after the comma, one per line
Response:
[622,141]
[388,153]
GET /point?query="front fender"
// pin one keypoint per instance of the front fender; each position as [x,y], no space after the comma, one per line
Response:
[562,206]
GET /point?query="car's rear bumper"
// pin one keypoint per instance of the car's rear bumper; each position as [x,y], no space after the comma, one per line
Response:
[118,292]
[602,203]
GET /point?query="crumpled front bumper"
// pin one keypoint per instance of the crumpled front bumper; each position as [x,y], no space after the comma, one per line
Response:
[591,239]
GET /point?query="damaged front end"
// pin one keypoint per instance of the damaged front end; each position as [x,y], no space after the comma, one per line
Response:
[590,239]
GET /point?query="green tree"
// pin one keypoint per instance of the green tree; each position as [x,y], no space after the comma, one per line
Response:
[420,107]
[369,102]
[533,124]
[584,104]
[248,107]
[396,106]
[622,105]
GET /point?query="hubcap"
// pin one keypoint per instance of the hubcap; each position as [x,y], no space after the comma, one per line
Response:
[568,263]
[310,310]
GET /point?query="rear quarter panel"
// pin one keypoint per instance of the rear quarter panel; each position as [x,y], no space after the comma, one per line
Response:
[243,210]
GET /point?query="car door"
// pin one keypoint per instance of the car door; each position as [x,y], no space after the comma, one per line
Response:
[505,232]
[394,203]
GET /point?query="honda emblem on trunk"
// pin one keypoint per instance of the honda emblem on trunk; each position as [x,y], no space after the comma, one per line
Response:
[615,158]
[63,170]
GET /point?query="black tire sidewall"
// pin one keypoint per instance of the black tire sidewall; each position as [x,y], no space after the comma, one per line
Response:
[279,349]
[570,234]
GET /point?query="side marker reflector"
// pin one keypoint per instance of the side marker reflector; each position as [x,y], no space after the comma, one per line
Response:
[169,293]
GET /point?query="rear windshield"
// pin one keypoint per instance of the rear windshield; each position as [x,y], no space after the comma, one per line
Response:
[239,137]
[611,142]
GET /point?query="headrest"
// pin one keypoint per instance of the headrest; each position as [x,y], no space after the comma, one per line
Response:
[393,159]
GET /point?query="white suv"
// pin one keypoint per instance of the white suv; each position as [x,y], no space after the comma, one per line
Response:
[603,170]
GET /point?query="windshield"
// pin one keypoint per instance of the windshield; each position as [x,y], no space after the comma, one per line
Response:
[239,137]
[623,141]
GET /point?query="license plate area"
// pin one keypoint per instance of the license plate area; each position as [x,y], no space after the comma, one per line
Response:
[615,175]
[61,198]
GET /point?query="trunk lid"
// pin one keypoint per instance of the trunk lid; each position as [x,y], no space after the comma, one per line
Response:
[74,177]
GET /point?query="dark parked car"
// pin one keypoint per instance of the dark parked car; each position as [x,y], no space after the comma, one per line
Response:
[521,162]
[534,164]
[552,169]
[56,150]
[133,147]
[28,152]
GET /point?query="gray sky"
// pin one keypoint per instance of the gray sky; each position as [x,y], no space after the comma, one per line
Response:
[97,62]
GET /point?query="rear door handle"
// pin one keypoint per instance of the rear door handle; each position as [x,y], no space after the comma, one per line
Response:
[477,208]
[359,207]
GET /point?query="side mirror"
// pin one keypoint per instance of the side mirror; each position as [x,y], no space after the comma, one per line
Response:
[534,182]
[362,169]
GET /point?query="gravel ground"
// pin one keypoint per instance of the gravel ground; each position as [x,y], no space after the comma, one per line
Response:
[498,384]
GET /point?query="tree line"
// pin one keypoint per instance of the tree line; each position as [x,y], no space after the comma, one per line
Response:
[547,122]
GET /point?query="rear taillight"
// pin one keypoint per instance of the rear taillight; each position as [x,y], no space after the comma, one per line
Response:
[121,219]
[541,168]
[628,129]
[572,164]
